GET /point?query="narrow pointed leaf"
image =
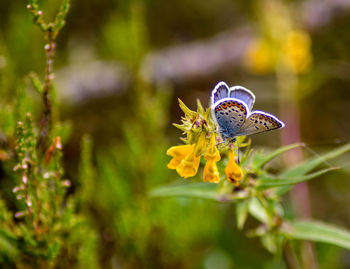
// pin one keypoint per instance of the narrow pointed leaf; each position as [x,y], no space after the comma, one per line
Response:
[207,114]
[242,213]
[309,165]
[257,210]
[185,109]
[180,126]
[198,190]
[321,232]
[266,181]
[261,160]
[269,242]
[200,108]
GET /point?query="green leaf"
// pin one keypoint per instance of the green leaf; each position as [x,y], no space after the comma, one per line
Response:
[266,181]
[200,108]
[36,82]
[60,17]
[8,245]
[242,213]
[180,126]
[268,240]
[321,232]
[257,210]
[309,165]
[260,160]
[186,110]
[198,190]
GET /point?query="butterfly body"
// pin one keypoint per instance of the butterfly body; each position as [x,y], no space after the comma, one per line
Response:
[231,109]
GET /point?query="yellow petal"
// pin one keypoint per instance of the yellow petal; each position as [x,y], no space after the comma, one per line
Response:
[182,150]
[233,172]
[212,153]
[174,162]
[178,153]
[211,173]
[188,166]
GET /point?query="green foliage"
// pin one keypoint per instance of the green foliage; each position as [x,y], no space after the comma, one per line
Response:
[200,190]
[309,165]
[51,28]
[47,232]
[258,196]
[320,232]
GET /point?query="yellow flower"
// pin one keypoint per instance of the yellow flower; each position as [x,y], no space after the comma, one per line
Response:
[259,57]
[178,153]
[186,158]
[188,166]
[212,153]
[233,172]
[211,173]
[297,51]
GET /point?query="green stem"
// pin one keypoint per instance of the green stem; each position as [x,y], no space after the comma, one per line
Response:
[290,257]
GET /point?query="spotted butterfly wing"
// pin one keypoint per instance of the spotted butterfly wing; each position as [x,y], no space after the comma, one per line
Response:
[243,94]
[230,114]
[259,122]
[220,91]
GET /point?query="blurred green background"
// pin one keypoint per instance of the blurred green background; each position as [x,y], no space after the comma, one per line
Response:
[120,67]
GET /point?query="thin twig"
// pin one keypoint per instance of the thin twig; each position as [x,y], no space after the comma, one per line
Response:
[46,121]
[51,31]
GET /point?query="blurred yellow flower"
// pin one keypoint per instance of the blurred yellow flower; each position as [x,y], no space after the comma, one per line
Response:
[211,173]
[297,52]
[178,153]
[259,57]
[233,172]
[292,50]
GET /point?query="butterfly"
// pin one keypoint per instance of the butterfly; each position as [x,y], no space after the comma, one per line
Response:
[231,108]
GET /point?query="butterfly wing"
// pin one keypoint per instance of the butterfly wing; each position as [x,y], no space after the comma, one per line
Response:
[220,91]
[230,114]
[244,95]
[258,122]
